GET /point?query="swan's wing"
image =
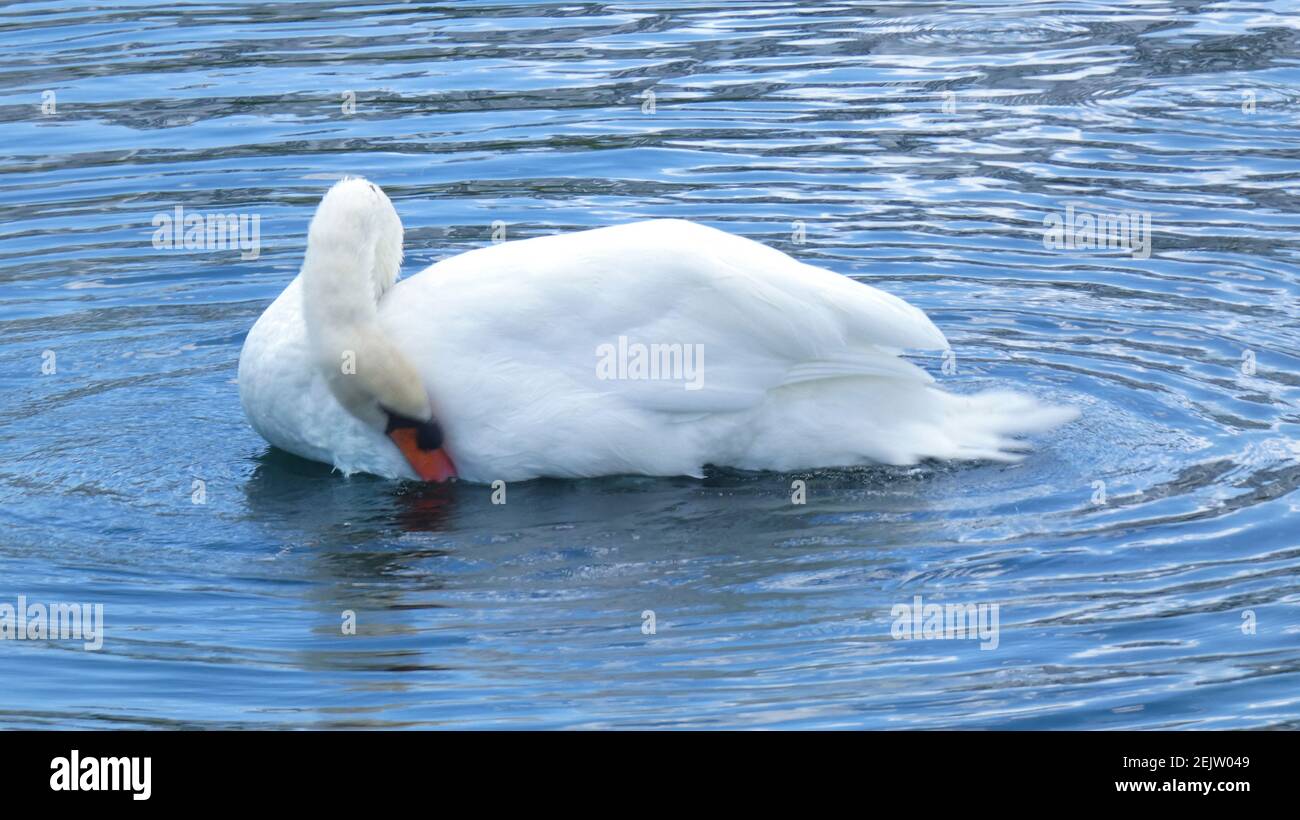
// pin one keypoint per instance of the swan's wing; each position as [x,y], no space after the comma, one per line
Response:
[750,317]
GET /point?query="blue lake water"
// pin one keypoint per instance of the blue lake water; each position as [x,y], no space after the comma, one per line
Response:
[1144,560]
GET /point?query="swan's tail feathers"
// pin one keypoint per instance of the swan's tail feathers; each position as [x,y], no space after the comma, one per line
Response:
[988,425]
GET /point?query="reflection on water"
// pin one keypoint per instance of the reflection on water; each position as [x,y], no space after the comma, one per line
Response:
[918,147]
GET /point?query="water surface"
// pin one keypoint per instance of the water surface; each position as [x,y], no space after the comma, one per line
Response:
[918,147]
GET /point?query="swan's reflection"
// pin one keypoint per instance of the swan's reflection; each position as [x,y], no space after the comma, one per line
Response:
[288,491]
[438,574]
[308,504]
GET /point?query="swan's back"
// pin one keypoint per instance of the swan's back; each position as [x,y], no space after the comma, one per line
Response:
[800,365]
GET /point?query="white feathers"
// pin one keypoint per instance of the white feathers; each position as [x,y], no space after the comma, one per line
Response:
[798,367]
[354,254]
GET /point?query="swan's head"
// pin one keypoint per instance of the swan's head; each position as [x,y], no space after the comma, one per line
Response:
[354,254]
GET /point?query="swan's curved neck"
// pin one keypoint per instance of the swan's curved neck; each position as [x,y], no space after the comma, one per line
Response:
[354,253]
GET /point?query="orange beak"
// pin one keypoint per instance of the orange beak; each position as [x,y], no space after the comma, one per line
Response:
[430,465]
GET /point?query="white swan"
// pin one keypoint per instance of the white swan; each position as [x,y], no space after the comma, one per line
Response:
[650,348]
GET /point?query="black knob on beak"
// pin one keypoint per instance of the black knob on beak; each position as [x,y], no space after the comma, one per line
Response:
[428,434]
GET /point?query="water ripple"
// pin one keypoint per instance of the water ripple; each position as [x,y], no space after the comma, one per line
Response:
[917,147]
